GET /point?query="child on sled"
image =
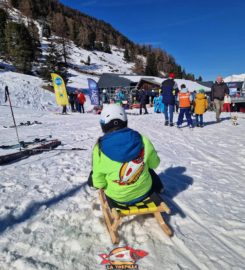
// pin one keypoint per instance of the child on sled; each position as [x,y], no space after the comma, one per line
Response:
[123,160]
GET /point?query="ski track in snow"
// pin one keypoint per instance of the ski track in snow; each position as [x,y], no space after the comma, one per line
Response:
[50,219]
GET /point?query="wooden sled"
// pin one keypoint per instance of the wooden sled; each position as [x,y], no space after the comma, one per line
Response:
[114,212]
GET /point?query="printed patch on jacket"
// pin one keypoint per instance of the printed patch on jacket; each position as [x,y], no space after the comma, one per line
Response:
[131,171]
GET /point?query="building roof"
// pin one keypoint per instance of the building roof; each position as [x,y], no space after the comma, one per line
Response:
[207,84]
[110,80]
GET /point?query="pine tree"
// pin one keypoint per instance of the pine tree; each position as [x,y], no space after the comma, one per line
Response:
[19,46]
[3,22]
[54,63]
[15,3]
[139,66]
[33,30]
[183,74]
[126,55]
[200,79]
[107,48]
[151,65]
[62,31]
[91,38]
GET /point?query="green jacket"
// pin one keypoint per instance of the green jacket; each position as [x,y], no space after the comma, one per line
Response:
[127,181]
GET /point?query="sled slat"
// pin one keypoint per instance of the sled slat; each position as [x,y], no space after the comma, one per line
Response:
[114,212]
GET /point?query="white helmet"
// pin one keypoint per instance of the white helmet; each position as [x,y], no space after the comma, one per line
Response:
[104,91]
[113,116]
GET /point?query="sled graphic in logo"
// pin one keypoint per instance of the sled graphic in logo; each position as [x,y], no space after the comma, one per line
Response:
[131,171]
[123,258]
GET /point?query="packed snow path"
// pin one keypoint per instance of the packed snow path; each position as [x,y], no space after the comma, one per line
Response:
[50,219]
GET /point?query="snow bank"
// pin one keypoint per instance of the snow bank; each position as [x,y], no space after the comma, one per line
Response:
[26,91]
[235,78]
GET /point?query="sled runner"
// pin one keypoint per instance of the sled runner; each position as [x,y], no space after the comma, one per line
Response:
[30,149]
[114,212]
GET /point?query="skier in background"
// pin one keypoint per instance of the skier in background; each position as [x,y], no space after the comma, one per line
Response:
[142,98]
[123,160]
[193,94]
[72,100]
[64,109]
[105,97]
[161,104]
[185,99]
[218,92]
[76,100]
[156,104]
[227,103]
[119,97]
[169,88]
[81,100]
[200,107]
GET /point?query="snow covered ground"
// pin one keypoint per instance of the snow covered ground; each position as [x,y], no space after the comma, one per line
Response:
[26,91]
[50,218]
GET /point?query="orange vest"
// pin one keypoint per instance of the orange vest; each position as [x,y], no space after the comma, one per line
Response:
[184,100]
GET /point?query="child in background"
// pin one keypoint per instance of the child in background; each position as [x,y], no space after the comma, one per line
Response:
[123,160]
[161,104]
[227,103]
[184,99]
[156,104]
[200,107]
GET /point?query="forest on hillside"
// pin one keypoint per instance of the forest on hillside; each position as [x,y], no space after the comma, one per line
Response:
[86,32]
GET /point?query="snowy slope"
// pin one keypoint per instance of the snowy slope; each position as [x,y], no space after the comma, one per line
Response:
[50,219]
[26,91]
[101,62]
[235,78]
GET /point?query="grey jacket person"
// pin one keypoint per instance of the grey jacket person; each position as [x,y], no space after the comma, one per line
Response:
[219,90]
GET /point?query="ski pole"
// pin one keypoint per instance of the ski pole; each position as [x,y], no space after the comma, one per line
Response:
[7,97]
[52,149]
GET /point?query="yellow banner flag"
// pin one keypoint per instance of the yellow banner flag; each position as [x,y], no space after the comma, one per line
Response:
[59,89]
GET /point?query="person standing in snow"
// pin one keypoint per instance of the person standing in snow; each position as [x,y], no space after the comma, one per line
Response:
[156,104]
[185,99]
[72,101]
[218,92]
[169,88]
[105,98]
[176,101]
[193,98]
[200,107]
[123,160]
[161,105]
[81,99]
[76,100]
[227,103]
[142,99]
[119,96]
[64,109]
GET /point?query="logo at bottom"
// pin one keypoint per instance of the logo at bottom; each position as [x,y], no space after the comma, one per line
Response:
[123,258]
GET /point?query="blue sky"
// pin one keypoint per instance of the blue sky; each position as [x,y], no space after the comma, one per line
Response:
[207,38]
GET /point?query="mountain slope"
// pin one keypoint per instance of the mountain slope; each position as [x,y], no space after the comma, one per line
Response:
[50,18]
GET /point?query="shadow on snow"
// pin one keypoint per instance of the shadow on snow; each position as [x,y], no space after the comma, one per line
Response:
[33,208]
[175,182]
